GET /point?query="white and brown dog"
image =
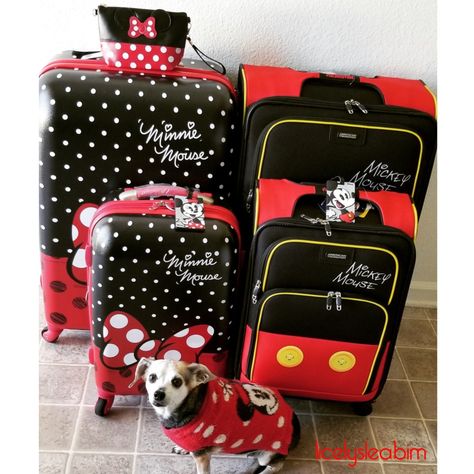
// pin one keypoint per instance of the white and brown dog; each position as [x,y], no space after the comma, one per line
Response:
[205,414]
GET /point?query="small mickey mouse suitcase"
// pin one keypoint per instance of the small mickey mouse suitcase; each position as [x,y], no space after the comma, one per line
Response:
[102,129]
[162,277]
[323,300]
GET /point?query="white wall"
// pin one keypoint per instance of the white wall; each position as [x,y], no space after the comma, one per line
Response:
[363,37]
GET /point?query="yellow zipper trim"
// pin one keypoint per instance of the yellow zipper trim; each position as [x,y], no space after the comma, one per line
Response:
[257,329]
[320,122]
[256,208]
[244,86]
[415,212]
[317,242]
[434,100]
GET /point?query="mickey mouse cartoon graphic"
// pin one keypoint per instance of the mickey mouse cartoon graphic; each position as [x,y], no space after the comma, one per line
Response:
[340,202]
[189,215]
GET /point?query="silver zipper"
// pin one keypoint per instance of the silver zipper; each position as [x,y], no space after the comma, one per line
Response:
[338,296]
[317,220]
[256,291]
[360,106]
[334,295]
[329,300]
[349,108]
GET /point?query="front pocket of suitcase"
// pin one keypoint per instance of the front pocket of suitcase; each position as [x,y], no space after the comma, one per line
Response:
[375,157]
[299,345]
[361,268]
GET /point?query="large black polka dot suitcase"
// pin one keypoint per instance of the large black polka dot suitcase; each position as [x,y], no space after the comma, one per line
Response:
[103,129]
[162,283]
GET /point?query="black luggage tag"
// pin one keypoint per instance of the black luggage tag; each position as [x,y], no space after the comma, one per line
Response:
[340,201]
[189,214]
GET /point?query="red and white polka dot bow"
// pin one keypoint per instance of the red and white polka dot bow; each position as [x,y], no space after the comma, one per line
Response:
[127,341]
[137,28]
[80,228]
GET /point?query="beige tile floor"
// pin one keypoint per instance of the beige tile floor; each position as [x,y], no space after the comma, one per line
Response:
[73,439]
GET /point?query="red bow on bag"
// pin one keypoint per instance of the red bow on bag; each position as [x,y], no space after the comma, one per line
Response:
[127,341]
[137,28]
[80,228]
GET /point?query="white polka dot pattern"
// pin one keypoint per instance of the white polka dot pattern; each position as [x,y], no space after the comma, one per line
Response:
[141,57]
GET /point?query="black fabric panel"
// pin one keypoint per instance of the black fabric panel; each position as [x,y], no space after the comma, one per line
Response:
[322,160]
[341,90]
[307,316]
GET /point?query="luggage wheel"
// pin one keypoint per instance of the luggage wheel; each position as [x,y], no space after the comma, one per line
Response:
[50,335]
[103,406]
[362,408]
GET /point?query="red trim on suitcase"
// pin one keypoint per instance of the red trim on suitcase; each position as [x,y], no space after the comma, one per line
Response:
[65,302]
[97,65]
[267,81]
[278,197]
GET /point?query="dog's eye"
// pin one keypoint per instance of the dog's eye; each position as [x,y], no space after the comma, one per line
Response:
[176,382]
[152,378]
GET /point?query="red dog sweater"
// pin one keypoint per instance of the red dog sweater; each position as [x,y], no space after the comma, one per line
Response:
[237,418]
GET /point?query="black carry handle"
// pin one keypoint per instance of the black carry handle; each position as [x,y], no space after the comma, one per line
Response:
[203,55]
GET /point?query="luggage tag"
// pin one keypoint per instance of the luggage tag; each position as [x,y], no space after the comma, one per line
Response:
[189,214]
[340,201]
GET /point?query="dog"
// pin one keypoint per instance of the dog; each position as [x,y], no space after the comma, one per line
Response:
[205,414]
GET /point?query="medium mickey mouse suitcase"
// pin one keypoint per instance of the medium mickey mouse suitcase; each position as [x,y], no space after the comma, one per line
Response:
[162,283]
[379,132]
[323,300]
[102,129]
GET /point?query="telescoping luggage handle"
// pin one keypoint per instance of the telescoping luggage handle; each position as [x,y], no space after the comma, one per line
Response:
[149,191]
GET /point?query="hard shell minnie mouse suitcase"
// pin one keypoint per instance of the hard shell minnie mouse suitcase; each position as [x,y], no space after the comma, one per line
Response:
[323,301]
[378,132]
[102,129]
[162,283]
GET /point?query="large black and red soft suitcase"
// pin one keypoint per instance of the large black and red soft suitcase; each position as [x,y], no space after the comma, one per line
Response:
[378,132]
[159,290]
[324,300]
[103,129]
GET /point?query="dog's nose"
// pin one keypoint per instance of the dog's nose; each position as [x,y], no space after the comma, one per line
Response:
[159,395]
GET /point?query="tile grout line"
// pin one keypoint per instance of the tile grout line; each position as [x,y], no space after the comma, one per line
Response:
[76,427]
[372,432]
[139,424]
[316,433]
[419,409]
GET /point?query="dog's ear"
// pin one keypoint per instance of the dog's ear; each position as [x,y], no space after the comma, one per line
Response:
[142,365]
[200,373]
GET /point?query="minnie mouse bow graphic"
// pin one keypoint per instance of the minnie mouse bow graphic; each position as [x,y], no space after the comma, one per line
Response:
[76,264]
[126,341]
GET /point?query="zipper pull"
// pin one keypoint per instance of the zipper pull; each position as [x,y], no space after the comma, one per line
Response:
[349,108]
[360,106]
[248,201]
[256,291]
[338,300]
[317,220]
[329,300]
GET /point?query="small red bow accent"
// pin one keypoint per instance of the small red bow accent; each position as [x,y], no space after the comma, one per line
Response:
[127,341]
[80,228]
[137,28]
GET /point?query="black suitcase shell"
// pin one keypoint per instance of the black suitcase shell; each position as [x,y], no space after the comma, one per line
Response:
[176,288]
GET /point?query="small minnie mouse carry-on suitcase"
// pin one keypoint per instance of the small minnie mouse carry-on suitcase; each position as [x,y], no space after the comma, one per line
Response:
[324,300]
[378,132]
[101,129]
[162,283]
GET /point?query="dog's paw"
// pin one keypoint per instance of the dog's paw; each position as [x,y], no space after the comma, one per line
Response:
[177,450]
